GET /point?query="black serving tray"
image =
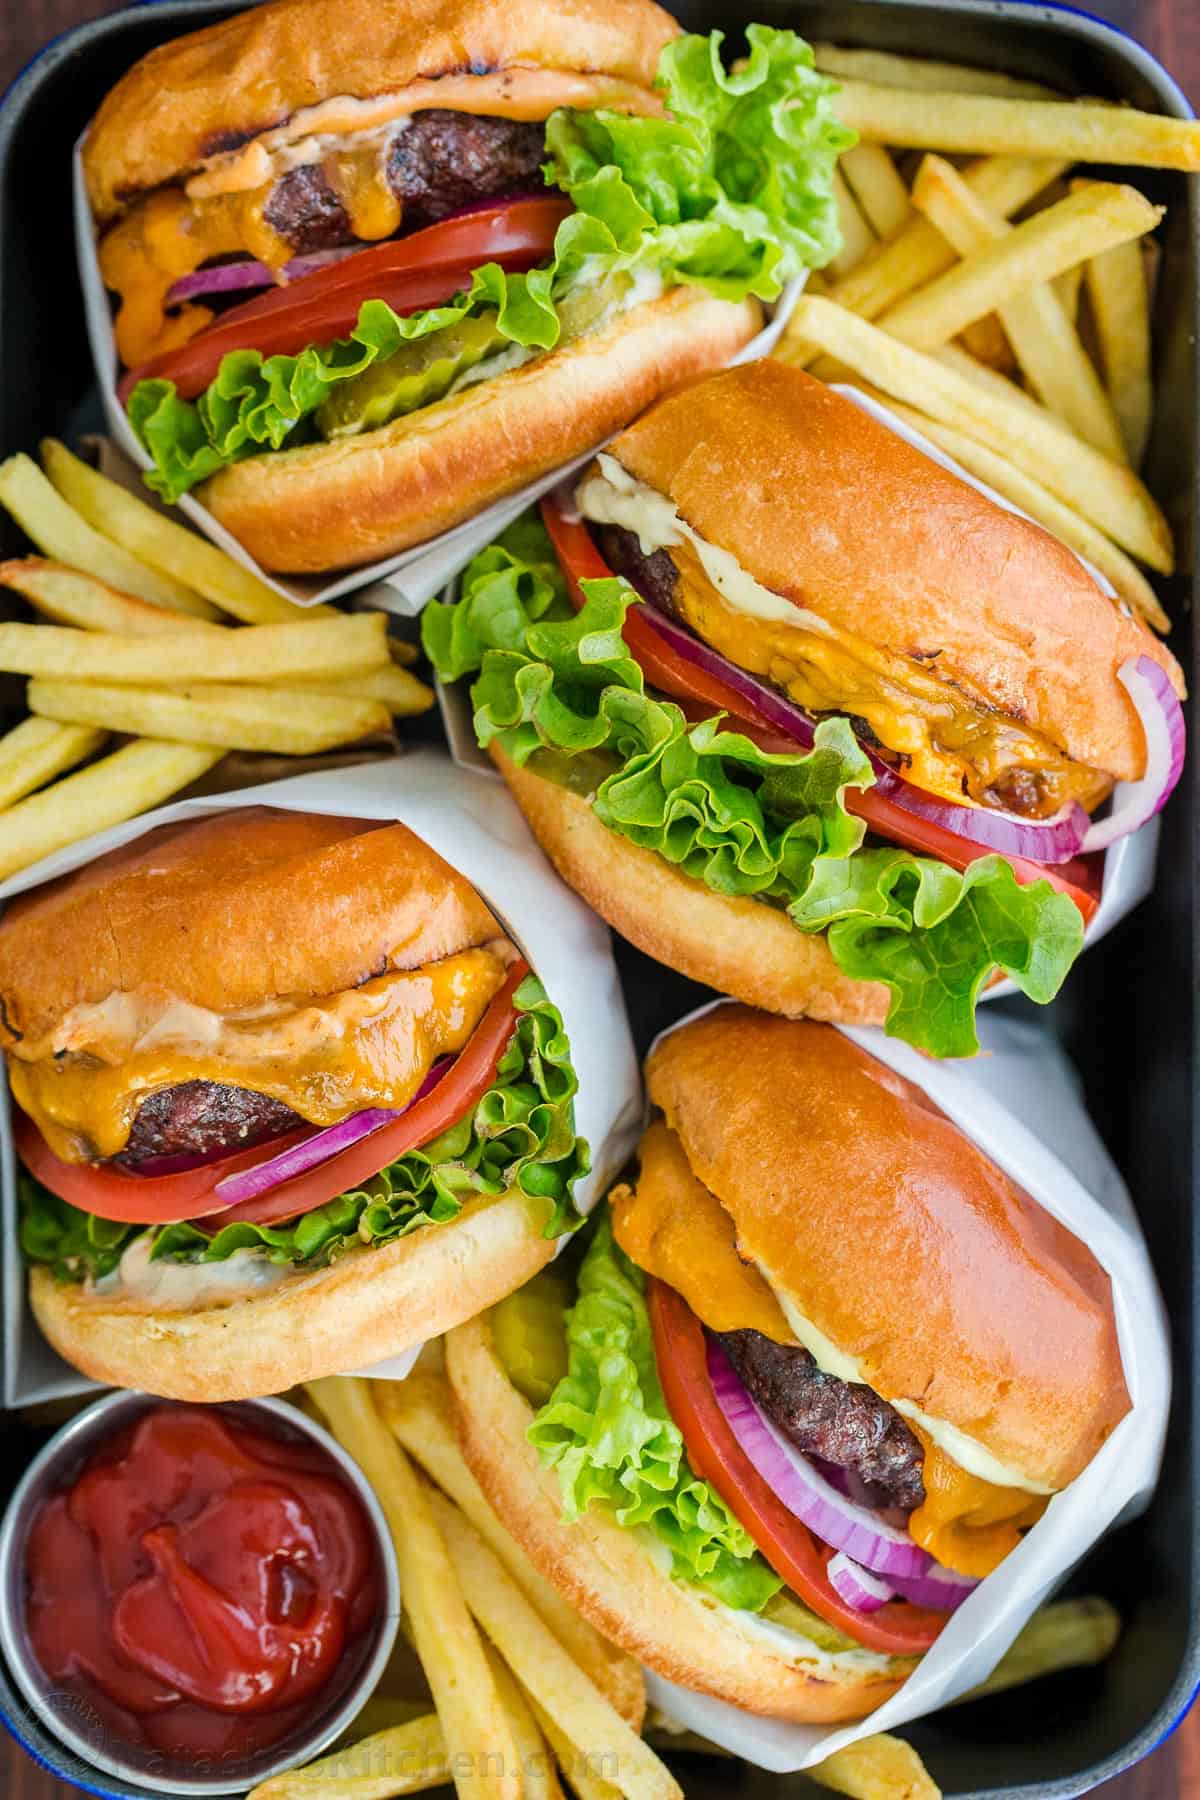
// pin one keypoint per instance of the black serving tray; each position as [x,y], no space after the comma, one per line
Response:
[1127,1014]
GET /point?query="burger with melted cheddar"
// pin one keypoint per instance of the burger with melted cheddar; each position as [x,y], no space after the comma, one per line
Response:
[778,1424]
[478,236]
[287,1102]
[806,716]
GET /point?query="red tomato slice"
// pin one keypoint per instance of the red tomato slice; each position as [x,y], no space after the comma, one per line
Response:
[671,674]
[165,1199]
[408,273]
[797,1557]
[136,1199]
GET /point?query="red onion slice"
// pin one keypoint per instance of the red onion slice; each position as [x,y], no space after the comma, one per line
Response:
[1053,840]
[1136,802]
[249,1184]
[857,1586]
[833,1518]
[234,277]
[941,1588]
[178,1164]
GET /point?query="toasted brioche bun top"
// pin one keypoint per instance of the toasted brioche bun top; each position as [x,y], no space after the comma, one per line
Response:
[898,1239]
[824,505]
[213,89]
[247,906]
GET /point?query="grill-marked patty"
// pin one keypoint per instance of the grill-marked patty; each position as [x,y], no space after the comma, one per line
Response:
[440,161]
[194,1117]
[843,1422]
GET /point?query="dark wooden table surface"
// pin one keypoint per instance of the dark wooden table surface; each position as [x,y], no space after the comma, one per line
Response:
[1171,29]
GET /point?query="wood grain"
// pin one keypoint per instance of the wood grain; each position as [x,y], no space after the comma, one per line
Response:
[1169,28]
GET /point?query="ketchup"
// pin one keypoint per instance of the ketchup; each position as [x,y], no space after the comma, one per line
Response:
[202,1585]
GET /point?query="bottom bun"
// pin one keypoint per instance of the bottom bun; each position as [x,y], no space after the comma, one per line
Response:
[743,948]
[369,1305]
[604,1571]
[329,506]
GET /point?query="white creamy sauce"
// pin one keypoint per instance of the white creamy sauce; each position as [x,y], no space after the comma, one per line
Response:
[970,1455]
[177,1286]
[798,1648]
[615,497]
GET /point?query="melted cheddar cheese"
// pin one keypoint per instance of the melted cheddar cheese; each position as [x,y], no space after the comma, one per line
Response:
[672,1226]
[675,1228]
[371,1045]
[967,1524]
[950,746]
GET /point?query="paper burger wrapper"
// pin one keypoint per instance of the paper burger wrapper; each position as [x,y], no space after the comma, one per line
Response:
[1129,864]
[482,834]
[402,583]
[1021,1103]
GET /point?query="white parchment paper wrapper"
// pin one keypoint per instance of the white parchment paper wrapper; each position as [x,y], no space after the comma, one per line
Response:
[1128,865]
[401,583]
[1020,1102]
[481,832]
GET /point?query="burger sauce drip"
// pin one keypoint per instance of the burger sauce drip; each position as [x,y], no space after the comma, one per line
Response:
[199,1584]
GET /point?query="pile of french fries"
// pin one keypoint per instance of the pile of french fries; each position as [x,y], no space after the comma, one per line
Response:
[995,303]
[518,1691]
[159,637]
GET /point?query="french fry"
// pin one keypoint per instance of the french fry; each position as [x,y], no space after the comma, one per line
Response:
[480,1748]
[1104,492]
[923,76]
[116,788]
[1045,340]
[535,1761]
[224,717]
[345,645]
[581,1771]
[1067,1634]
[419,1411]
[1032,498]
[857,236]
[1069,285]
[407,1759]
[877,1768]
[60,533]
[401,692]
[1041,247]
[919,252]
[37,750]
[71,598]
[955,357]
[543,1667]
[995,125]
[882,196]
[170,548]
[1120,302]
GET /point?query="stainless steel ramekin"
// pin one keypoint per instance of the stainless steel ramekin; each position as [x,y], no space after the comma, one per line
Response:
[62,1713]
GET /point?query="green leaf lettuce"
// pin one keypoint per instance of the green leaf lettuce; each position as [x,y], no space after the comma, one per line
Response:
[607,1433]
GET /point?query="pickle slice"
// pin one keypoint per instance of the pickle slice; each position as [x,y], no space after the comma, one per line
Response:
[529,1333]
[416,375]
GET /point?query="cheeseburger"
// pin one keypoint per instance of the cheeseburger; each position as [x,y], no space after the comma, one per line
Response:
[808,717]
[817,1370]
[375,268]
[287,1101]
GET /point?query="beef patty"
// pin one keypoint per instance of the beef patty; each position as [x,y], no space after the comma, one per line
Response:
[653,576]
[195,1117]
[842,1422]
[439,162]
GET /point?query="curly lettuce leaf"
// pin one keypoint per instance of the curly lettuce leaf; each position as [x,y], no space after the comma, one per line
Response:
[521,1136]
[607,1433]
[561,686]
[733,193]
